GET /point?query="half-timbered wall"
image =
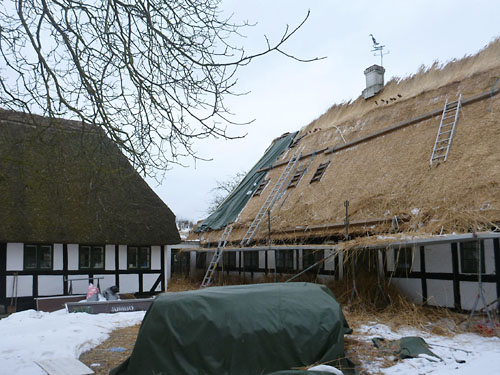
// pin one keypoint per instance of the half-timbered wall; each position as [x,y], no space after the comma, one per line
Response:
[33,283]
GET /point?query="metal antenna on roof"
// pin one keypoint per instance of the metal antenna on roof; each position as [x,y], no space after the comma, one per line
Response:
[379,50]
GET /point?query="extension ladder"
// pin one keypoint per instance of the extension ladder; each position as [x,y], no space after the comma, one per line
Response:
[273,196]
[446,131]
[207,279]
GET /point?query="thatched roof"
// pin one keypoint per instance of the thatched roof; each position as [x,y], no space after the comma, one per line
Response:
[388,174]
[61,181]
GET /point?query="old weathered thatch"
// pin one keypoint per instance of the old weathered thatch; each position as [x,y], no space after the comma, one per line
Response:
[62,181]
[378,152]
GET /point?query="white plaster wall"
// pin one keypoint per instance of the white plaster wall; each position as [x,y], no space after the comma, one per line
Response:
[389,256]
[79,286]
[438,258]
[300,259]
[129,283]
[468,294]
[489,257]
[24,286]
[416,259]
[58,257]
[270,260]
[262,259]
[168,256]
[15,256]
[149,279]
[380,262]
[109,257]
[50,285]
[122,257]
[156,257]
[330,262]
[106,282]
[73,257]
[440,293]
[412,288]
[192,262]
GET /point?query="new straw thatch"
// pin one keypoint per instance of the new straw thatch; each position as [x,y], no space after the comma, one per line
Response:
[62,181]
[389,174]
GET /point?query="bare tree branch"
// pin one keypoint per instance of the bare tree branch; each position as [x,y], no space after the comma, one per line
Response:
[153,75]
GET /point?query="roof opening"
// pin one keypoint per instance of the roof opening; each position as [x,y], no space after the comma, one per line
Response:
[261,186]
[296,177]
[319,172]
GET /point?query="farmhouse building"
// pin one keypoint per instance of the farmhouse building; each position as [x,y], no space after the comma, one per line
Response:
[73,208]
[409,174]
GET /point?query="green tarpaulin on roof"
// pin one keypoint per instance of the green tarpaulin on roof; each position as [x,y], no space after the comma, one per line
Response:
[230,208]
[239,330]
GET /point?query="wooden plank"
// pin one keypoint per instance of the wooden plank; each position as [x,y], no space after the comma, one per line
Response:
[64,366]
[107,307]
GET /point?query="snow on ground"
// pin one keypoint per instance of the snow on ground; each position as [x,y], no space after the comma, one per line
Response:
[31,335]
[463,354]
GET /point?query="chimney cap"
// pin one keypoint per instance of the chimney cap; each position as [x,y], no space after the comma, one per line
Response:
[375,67]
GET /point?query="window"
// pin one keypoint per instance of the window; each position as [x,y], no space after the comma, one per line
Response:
[179,261]
[229,259]
[310,257]
[469,257]
[296,177]
[201,260]
[138,257]
[403,259]
[319,172]
[91,257]
[261,187]
[284,260]
[37,257]
[251,260]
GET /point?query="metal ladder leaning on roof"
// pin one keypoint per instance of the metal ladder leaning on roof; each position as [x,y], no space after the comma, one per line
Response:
[207,279]
[271,198]
[446,131]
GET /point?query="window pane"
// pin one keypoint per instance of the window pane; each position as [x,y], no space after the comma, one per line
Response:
[201,260]
[403,259]
[144,255]
[84,258]
[469,257]
[98,257]
[229,258]
[251,260]
[45,253]
[132,257]
[29,257]
[284,260]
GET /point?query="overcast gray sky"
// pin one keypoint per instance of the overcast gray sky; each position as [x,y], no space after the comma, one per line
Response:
[286,95]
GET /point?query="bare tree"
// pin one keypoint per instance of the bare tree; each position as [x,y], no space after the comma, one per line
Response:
[152,74]
[223,189]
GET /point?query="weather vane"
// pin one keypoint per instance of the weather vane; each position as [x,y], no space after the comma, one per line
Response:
[379,50]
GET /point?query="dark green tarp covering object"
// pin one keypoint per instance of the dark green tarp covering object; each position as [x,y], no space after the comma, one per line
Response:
[231,207]
[405,347]
[238,330]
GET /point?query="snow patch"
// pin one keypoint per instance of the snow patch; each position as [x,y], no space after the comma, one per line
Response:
[31,335]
